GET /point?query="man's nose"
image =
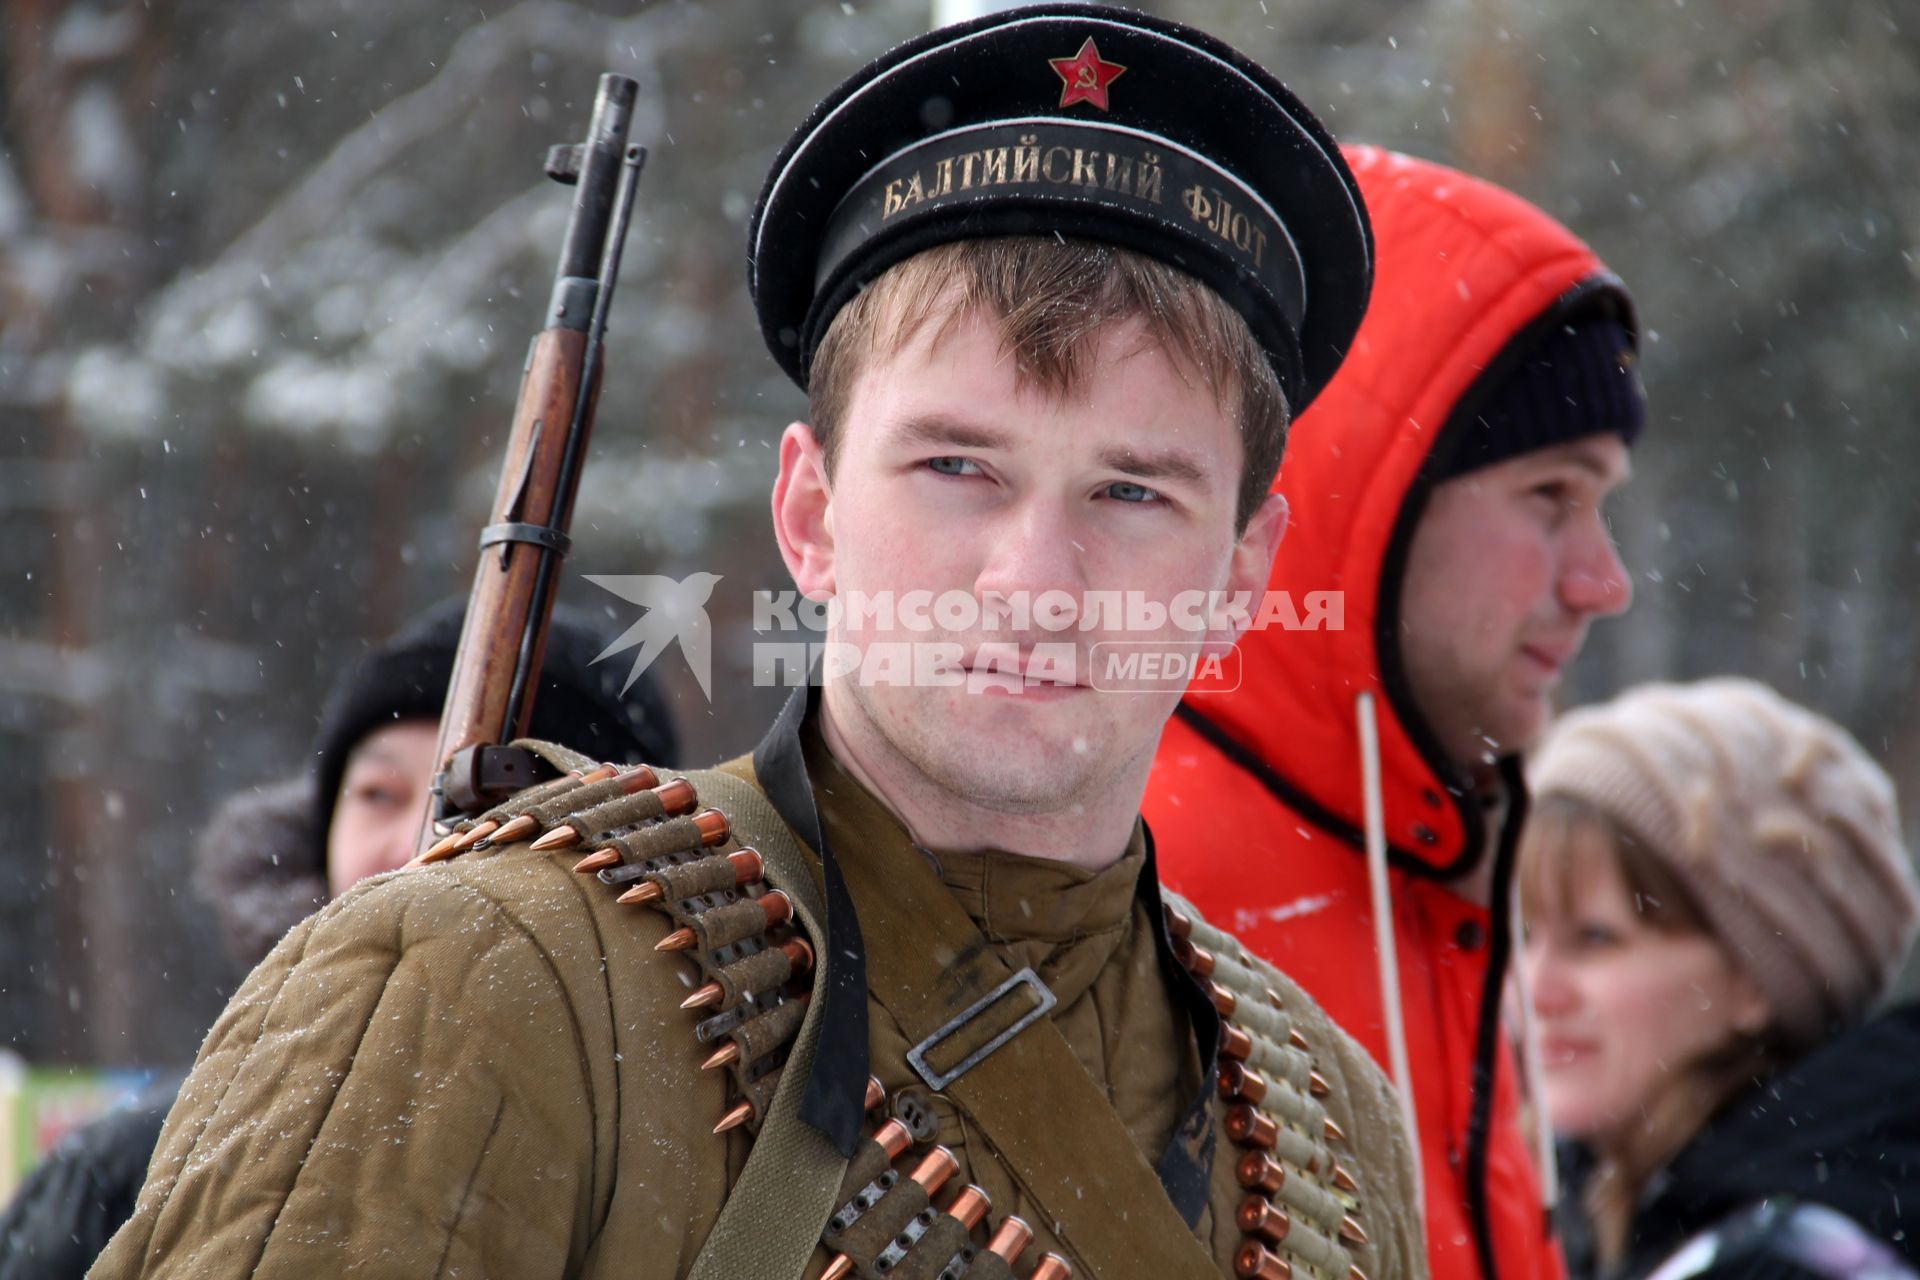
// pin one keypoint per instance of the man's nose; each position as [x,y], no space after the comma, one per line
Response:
[1593,580]
[1035,553]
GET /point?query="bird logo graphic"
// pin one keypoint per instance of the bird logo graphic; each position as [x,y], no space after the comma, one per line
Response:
[674,611]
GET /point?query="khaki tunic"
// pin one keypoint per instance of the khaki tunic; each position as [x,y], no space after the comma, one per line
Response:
[482,1069]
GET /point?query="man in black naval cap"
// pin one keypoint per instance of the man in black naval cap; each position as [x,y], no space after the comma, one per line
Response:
[1053,281]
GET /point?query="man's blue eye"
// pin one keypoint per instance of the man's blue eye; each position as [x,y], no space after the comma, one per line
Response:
[1128,491]
[954,466]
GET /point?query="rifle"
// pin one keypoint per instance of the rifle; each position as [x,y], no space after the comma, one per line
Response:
[503,641]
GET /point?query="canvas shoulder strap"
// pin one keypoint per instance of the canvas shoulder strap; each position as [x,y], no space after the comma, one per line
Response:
[1051,1124]
[771,1223]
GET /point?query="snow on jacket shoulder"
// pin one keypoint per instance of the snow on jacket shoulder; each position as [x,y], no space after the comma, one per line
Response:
[441,1074]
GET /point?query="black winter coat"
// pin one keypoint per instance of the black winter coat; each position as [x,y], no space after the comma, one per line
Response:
[256,864]
[75,1199]
[1836,1133]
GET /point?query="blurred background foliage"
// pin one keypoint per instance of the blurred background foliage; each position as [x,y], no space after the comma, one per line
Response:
[267,276]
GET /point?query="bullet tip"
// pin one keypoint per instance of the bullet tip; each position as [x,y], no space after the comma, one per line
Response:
[598,860]
[558,838]
[474,835]
[518,829]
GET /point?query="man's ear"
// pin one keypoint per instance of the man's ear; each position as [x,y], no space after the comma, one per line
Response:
[1250,567]
[802,512]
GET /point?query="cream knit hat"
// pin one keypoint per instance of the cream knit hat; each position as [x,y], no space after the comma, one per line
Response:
[1786,831]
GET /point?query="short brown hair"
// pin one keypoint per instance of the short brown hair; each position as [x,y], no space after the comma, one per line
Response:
[1052,295]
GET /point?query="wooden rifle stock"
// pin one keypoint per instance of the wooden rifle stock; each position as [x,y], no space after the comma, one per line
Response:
[503,642]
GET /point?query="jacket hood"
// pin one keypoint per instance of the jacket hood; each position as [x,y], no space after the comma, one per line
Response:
[1466,274]
[1840,1127]
[257,864]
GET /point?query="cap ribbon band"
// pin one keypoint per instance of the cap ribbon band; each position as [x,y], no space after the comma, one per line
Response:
[1098,167]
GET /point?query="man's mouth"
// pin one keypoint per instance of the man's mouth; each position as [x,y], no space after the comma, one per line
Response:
[1025,673]
[1553,658]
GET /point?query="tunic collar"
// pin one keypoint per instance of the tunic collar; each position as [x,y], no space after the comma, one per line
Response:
[1023,900]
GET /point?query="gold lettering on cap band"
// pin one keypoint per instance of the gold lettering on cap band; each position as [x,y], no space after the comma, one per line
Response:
[1137,174]
[996,171]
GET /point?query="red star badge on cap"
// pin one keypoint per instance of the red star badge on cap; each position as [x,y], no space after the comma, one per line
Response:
[1085,77]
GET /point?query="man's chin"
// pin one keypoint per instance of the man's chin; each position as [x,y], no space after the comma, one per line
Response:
[1521,727]
[1026,733]
[1006,777]
[1011,756]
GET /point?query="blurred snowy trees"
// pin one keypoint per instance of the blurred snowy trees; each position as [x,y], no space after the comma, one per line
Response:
[267,275]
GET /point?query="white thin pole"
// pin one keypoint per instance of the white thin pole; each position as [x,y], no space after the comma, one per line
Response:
[1530,1064]
[948,11]
[1383,935]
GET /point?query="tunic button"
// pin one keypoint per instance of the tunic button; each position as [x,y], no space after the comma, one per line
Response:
[913,1108]
[1468,935]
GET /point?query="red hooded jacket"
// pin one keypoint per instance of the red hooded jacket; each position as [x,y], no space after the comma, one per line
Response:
[1256,799]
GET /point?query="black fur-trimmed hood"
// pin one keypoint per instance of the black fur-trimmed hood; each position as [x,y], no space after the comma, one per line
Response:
[256,864]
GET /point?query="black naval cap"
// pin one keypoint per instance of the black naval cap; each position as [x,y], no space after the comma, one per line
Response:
[1081,120]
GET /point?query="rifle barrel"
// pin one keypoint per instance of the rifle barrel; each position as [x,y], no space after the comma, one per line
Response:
[503,641]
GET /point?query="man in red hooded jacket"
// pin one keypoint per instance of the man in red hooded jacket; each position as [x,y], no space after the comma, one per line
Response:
[1448,486]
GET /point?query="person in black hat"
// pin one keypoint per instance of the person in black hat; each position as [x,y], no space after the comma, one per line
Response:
[272,854]
[373,755]
[1054,281]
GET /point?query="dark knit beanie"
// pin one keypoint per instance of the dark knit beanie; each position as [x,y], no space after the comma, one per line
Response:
[1578,380]
[579,704]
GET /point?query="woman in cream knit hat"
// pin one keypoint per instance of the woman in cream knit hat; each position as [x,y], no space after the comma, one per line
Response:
[1716,893]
